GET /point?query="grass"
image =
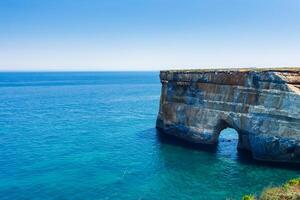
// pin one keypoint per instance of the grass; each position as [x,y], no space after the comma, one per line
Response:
[288,191]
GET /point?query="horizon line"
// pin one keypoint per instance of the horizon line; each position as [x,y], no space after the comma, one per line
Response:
[141,70]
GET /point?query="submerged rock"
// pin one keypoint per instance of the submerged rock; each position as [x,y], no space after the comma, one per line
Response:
[262,105]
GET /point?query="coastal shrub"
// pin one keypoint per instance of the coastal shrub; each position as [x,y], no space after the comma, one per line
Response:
[249,197]
[288,191]
[279,193]
[295,181]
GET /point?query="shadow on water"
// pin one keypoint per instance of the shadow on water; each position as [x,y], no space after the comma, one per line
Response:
[242,156]
[246,158]
[171,140]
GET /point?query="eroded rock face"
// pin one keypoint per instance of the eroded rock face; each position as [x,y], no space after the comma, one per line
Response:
[263,105]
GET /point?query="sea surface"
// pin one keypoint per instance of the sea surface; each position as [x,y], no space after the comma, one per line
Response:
[92,136]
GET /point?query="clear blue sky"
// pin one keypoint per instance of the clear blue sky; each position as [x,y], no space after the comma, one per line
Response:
[148,34]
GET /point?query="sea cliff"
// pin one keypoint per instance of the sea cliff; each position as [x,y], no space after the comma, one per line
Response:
[262,105]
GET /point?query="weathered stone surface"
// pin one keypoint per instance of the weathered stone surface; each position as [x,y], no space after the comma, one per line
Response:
[263,105]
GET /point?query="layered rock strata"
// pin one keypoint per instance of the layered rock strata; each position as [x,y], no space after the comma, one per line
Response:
[262,105]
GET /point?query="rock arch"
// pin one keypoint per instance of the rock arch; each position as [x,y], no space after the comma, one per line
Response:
[262,105]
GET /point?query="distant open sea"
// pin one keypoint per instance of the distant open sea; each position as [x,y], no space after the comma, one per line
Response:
[92,136]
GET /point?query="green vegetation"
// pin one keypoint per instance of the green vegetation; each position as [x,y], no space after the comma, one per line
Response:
[288,191]
[249,197]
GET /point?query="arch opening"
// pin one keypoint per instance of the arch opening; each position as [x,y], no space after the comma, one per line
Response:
[228,143]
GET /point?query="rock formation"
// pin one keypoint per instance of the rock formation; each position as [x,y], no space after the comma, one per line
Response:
[262,105]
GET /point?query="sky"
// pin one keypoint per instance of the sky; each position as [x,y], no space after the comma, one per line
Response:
[109,35]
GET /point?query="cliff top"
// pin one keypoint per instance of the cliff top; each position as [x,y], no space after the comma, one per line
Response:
[281,69]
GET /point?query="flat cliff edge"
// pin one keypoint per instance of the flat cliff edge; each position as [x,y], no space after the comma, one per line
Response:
[262,105]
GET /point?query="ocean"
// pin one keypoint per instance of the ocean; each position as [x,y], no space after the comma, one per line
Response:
[91,135]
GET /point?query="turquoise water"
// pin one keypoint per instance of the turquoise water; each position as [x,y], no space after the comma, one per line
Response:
[92,136]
